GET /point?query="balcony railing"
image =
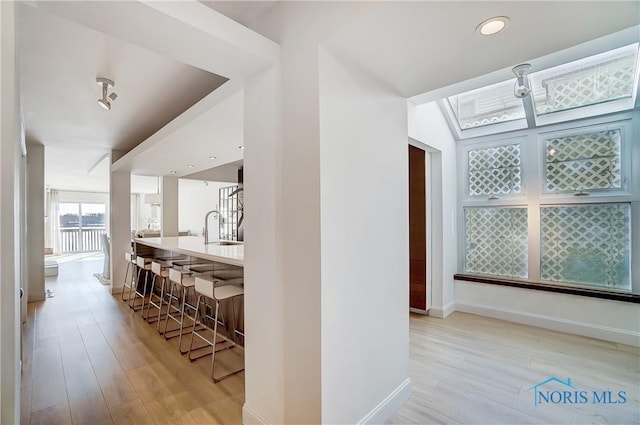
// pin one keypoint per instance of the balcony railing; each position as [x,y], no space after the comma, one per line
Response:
[81,240]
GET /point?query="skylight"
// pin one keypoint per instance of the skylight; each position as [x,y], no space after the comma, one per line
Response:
[597,79]
[592,86]
[486,106]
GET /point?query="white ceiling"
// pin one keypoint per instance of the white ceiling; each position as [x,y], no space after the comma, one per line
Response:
[59,62]
[417,47]
[224,173]
[214,127]
[247,13]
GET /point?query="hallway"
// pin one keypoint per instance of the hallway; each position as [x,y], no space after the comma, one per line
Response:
[89,360]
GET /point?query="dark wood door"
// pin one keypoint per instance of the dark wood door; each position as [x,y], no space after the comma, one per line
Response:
[417,230]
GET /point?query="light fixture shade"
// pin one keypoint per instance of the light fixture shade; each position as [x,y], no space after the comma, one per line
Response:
[104,103]
[152,198]
[521,88]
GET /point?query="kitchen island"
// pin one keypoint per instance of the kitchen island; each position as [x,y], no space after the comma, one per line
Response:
[193,246]
[222,260]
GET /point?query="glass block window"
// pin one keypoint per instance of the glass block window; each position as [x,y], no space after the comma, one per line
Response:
[488,105]
[584,161]
[597,79]
[496,241]
[494,171]
[586,244]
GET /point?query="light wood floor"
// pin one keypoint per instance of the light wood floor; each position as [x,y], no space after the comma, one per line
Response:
[89,360]
[468,369]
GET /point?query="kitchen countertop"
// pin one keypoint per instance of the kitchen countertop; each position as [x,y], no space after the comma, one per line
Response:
[194,246]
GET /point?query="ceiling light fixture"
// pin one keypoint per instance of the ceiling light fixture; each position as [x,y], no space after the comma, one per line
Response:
[105,83]
[190,166]
[521,88]
[213,157]
[492,26]
[173,172]
[240,147]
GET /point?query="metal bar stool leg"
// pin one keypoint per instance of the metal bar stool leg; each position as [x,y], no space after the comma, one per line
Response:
[126,273]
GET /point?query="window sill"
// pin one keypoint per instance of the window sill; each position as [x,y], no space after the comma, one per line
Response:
[538,286]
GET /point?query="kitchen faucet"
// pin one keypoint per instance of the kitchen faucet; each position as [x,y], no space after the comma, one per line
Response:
[206,224]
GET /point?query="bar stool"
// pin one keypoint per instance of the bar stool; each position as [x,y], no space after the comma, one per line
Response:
[211,289]
[182,282]
[130,271]
[160,272]
[143,264]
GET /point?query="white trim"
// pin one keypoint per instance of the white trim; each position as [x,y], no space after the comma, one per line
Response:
[387,407]
[520,140]
[249,416]
[442,313]
[619,336]
[627,187]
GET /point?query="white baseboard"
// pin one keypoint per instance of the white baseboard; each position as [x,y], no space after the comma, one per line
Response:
[387,407]
[250,417]
[619,336]
[441,313]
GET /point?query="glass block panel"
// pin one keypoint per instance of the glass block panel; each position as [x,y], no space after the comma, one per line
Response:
[585,161]
[496,241]
[487,105]
[586,244]
[597,79]
[494,171]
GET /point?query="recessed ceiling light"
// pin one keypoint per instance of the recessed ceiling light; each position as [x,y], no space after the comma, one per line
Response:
[173,172]
[240,147]
[190,166]
[213,157]
[493,25]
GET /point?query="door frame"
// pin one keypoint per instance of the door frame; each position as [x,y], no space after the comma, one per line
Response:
[433,217]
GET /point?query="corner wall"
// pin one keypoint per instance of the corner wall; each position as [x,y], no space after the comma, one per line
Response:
[10,221]
[119,223]
[364,246]
[35,222]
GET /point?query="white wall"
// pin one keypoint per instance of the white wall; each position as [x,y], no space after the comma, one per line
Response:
[10,221]
[169,207]
[119,224]
[428,126]
[195,199]
[291,314]
[263,299]
[593,317]
[365,246]
[35,222]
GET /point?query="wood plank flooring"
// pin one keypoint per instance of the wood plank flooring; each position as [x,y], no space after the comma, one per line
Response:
[88,359]
[468,369]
